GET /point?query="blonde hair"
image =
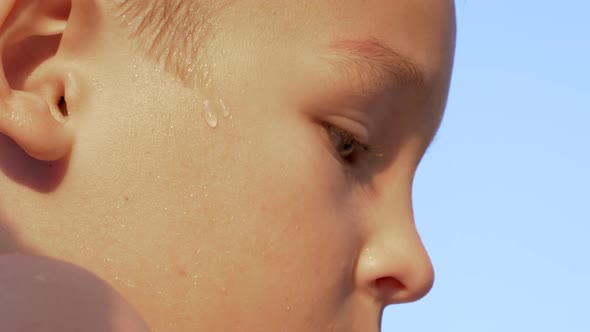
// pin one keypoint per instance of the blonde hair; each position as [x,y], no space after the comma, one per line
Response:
[173,33]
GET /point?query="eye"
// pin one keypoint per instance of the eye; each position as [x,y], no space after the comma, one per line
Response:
[347,146]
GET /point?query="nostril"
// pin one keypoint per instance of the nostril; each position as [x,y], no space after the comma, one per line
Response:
[389,287]
[63,106]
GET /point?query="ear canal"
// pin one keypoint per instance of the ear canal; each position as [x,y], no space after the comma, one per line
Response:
[63,106]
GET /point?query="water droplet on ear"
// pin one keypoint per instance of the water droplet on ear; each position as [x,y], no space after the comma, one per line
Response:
[210,114]
[224,109]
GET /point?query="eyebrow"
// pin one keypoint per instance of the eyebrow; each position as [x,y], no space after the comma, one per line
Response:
[372,61]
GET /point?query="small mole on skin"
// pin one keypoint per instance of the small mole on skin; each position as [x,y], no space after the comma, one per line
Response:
[126,199]
[179,268]
[181,271]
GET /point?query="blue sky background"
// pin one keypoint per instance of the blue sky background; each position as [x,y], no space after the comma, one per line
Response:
[502,199]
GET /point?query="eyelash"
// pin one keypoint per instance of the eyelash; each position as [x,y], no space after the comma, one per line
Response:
[343,139]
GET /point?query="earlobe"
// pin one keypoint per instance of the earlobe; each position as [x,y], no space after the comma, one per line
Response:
[30,90]
[28,120]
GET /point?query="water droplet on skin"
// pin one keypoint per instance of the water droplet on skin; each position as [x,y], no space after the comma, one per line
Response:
[98,86]
[210,114]
[135,74]
[224,110]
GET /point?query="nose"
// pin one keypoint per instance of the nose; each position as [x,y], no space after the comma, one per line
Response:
[394,266]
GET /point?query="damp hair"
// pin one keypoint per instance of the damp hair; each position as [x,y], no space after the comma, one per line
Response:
[173,33]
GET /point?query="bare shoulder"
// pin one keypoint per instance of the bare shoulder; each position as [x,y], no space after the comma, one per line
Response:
[40,294]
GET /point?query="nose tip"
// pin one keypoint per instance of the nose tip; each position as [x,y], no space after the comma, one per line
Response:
[396,270]
[415,282]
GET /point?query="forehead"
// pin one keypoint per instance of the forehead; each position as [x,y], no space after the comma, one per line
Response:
[422,30]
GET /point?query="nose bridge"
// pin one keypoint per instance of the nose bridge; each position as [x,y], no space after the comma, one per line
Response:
[394,264]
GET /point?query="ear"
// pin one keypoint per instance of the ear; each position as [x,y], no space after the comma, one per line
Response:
[33,83]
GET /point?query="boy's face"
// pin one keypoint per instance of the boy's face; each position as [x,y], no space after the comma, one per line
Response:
[263,222]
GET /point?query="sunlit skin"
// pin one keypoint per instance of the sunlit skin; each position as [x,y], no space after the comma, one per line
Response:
[274,220]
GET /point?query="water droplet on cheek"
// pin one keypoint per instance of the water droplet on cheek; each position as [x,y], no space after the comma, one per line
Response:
[210,114]
[224,109]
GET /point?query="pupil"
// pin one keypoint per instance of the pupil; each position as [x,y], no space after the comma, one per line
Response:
[347,147]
